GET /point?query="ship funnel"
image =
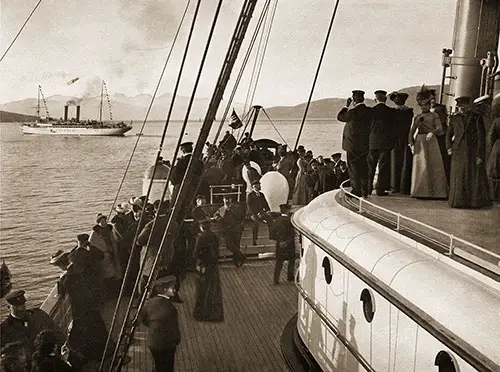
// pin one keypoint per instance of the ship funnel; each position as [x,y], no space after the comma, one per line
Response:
[66,113]
[77,113]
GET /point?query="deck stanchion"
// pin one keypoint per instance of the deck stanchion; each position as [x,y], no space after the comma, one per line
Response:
[398,226]
[451,248]
[360,205]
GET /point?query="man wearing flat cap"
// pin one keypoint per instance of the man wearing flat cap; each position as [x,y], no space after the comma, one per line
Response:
[160,316]
[355,140]
[401,155]
[466,144]
[24,325]
[382,141]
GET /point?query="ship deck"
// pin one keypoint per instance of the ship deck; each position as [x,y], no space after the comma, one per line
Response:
[255,314]
[481,227]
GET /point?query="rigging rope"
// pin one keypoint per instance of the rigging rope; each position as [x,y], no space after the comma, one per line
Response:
[317,73]
[234,47]
[129,263]
[276,129]
[20,30]
[259,59]
[149,107]
[268,34]
[242,69]
[153,273]
[107,98]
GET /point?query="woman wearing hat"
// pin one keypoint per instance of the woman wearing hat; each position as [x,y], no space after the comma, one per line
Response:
[466,143]
[208,306]
[428,179]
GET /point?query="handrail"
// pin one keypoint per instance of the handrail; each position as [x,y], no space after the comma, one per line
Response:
[452,239]
[361,360]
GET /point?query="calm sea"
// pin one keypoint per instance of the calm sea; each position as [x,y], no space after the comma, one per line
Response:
[52,187]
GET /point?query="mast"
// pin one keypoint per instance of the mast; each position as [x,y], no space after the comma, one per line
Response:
[38,103]
[100,106]
[254,119]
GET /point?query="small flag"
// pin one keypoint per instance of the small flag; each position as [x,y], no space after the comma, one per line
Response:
[235,121]
[73,81]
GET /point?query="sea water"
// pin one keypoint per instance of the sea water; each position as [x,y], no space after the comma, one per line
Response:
[52,187]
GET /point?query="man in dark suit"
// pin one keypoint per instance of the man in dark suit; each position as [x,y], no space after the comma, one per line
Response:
[259,209]
[401,156]
[441,135]
[161,318]
[231,218]
[282,231]
[178,172]
[171,258]
[24,325]
[355,140]
[382,141]
[340,169]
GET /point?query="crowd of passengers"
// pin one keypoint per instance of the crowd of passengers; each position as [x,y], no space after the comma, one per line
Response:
[428,155]
[431,155]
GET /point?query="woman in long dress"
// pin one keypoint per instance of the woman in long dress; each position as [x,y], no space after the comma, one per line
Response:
[208,306]
[466,143]
[493,165]
[428,179]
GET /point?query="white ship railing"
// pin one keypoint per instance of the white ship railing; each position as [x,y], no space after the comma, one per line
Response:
[453,245]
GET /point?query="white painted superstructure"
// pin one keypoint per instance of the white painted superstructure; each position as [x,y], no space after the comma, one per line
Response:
[75,131]
[424,304]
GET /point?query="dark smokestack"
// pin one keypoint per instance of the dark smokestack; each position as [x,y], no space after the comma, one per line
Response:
[77,113]
[66,113]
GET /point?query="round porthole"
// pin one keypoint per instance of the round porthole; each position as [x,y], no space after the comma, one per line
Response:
[368,304]
[445,362]
[327,269]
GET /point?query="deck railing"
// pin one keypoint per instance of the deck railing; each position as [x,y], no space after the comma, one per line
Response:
[452,245]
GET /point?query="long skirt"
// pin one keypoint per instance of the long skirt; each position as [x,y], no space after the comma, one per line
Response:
[468,181]
[428,179]
[300,193]
[209,306]
[493,171]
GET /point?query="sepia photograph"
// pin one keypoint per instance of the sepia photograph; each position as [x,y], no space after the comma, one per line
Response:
[249,186]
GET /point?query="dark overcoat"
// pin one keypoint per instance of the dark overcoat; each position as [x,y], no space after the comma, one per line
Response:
[355,138]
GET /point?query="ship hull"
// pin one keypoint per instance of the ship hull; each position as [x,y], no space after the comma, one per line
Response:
[75,131]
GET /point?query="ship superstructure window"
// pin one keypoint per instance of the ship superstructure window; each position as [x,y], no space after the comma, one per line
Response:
[327,268]
[445,362]
[368,304]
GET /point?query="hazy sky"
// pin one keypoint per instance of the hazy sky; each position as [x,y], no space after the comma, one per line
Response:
[374,45]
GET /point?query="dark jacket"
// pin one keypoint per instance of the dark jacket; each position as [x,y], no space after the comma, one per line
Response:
[231,219]
[282,231]
[13,329]
[206,248]
[356,134]
[458,126]
[403,118]
[179,169]
[257,203]
[382,128]
[161,318]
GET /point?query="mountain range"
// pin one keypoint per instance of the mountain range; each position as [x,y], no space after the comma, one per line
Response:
[135,108]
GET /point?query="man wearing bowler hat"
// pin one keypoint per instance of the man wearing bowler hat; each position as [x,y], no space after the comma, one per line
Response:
[24,325]
[355,140]
[382,141]
[160,316]
[259,209]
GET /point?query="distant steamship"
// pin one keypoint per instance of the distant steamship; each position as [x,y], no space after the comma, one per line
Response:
[73,126]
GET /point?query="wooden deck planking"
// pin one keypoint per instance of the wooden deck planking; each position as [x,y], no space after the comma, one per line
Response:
[255,313]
